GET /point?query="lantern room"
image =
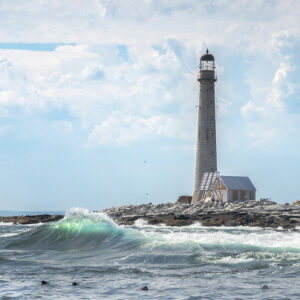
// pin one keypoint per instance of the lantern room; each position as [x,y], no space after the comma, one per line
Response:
[207,62]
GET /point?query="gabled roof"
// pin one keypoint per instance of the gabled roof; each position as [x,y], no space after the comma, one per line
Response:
[238,183]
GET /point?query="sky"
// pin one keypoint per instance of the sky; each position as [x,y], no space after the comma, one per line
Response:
[98,99]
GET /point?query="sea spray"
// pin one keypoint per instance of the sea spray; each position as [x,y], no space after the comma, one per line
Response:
[81,229]
[246,238]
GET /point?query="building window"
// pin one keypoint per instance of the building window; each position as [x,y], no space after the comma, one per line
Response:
[235,195]
[243,195]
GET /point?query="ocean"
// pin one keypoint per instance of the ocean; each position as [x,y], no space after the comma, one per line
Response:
[113,262]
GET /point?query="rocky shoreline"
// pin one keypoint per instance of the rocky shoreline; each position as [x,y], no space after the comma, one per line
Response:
[261,213]
[32,219]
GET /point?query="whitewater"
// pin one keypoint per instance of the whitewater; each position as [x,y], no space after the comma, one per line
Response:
[113,262]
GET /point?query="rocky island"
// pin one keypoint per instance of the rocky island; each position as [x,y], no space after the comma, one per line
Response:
[262,213]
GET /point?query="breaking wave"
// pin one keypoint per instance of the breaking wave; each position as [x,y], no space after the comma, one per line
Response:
[84,230]
[78,230]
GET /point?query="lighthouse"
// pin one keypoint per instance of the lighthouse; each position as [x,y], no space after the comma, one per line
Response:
[206,153]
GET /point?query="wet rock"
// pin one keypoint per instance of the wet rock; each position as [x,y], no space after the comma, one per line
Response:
[144,288]
[25,220]
[264,287]
[44,282]
[75,283]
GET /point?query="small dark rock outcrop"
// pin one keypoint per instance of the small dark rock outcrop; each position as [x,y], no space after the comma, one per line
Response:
[144,288]
[25,220]
[264,287]
[184,199]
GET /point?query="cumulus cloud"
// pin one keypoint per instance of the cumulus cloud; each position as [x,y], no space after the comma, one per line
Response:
[269,121]
[119,130]
[147,91]
[130,71]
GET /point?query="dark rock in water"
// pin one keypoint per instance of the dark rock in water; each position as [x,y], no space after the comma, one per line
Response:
[24,220]
[43,282]
[184,199]
[144,288]
[75,283]
[265,287]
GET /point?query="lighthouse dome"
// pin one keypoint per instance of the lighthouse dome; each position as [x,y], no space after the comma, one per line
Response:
[207,57]
[207,62]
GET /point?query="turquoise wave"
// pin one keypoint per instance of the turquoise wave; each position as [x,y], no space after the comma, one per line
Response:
[84,230]
[78,230]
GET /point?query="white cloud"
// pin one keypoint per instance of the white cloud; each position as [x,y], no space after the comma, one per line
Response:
[268,121]
[120,130]
[252,111]
[274,97]
[95,84]
[150,89]
[141,22]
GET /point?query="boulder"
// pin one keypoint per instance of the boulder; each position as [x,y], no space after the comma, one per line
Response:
[184,199]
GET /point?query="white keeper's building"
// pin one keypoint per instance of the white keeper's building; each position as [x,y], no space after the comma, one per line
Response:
[237,188]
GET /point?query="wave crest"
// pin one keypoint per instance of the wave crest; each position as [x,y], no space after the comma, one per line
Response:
[78,230]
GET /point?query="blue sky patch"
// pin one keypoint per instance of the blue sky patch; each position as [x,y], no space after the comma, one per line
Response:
[123,52]
[33,46]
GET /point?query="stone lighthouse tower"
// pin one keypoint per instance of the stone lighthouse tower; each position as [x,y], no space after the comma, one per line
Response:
[206,156]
